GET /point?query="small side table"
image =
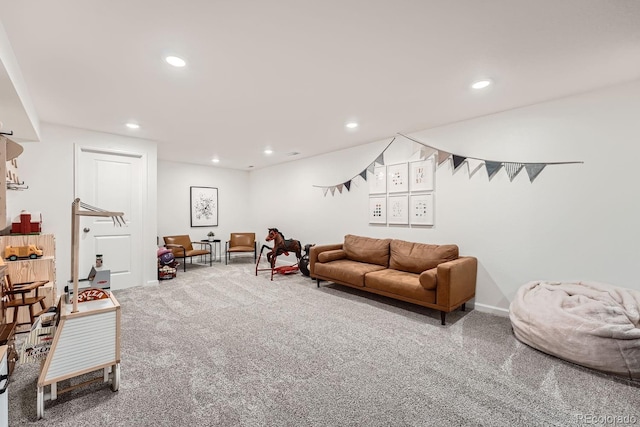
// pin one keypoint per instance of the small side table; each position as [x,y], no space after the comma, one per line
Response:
[217,248]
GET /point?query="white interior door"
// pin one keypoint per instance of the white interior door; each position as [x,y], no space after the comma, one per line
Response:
[112,181]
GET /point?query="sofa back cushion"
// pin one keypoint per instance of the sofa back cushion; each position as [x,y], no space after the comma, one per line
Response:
[419,257]
[367,249]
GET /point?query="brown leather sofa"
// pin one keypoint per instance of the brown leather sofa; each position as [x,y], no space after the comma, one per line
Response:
[433,276]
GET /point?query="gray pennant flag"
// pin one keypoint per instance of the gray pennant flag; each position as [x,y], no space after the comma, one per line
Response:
[347,185]
[513,169]
[380,159]
[333,190]
[340,188]
[324,191]
[372,168]
[492,167]
[534,169]
[363,174]
[457,161]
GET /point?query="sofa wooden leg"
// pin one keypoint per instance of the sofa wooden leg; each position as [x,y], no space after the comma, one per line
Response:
[318,283]
[463,307]
[442,317]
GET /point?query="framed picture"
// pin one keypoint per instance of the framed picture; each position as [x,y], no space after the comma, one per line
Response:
[378,182]
[398,210]
[397,177]
[378,210]
[421,209]
[204,206]
[421,175]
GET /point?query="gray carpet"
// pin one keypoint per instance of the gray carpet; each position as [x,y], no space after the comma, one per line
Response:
[218,346]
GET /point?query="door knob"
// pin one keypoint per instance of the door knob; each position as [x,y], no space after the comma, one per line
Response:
[86,229]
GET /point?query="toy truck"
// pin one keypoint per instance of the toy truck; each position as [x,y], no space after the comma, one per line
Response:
[12,253]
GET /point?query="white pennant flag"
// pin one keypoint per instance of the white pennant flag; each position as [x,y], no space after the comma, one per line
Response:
[474,165]
[426,152]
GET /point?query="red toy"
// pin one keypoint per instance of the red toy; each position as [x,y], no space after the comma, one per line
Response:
[26,225]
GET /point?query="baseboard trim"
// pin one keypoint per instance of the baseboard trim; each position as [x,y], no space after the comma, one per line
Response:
[485,308]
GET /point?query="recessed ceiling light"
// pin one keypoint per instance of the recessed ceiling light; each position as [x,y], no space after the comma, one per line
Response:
[132,125]
[352,125]
[215,160]
[481,84]
[268,151]
[175,61]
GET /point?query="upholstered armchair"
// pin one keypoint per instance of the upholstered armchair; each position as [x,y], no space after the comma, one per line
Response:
[241,242]
[182,247]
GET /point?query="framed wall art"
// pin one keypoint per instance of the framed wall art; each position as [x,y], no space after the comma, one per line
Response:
[398,181]
[398,210]
[421,175]
[378,210]
[421,209]
[378,182]
[204,206]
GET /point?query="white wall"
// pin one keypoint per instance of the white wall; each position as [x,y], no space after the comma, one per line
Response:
[574,222]
[47,168]
[174,217]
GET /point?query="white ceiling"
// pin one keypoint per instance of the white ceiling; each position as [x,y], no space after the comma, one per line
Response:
[288,74]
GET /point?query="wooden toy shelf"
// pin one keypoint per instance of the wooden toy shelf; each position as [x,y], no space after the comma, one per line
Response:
[30,270]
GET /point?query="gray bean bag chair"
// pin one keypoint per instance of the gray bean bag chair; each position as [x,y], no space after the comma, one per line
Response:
[591,324]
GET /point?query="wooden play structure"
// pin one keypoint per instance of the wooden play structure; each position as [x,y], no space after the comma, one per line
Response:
[85,337]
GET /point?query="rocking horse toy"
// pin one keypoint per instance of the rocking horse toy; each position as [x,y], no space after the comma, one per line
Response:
[280,246]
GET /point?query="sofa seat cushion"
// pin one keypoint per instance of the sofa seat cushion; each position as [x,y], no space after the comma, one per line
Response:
[418,257]
[346,271]
[400,283]
[367,249]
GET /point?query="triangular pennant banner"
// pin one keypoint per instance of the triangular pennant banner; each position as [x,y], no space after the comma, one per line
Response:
[426,152]
[333,190]
[457,161]
[474,166]
[363,174]
[442,156]
[380,159]
[492,167]
[347,185]
[372,168]
[340,188]
[513,169]
[534,169]
[324,191]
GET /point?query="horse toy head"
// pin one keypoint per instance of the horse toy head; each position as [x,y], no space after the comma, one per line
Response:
[273,232]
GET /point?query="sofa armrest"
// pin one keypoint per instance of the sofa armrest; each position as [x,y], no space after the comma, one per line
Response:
[314,251]
[456,282]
